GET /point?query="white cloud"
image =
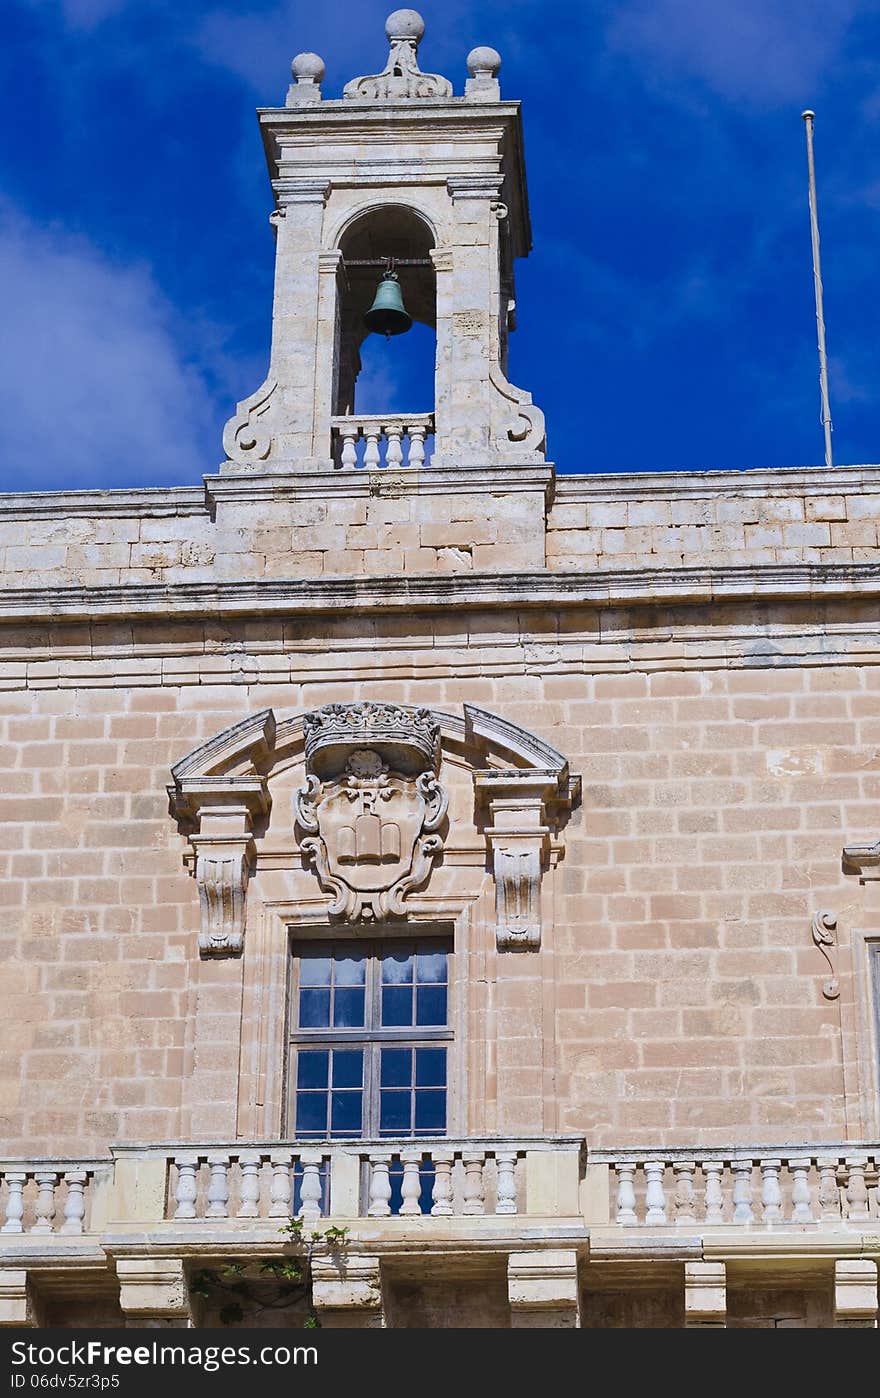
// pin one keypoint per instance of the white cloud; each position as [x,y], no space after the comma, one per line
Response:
[762,52]
[98,390]
[82,14]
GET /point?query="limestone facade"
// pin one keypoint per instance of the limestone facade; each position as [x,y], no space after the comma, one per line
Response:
[613,741]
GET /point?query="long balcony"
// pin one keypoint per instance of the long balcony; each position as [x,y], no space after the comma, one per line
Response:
[439,1184]
[564,1224]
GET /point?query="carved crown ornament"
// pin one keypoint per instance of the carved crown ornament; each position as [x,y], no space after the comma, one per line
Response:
[370,818]
[372,806]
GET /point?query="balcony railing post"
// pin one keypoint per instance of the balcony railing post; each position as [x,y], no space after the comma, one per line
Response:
[856,1188]
[311,1191]
[829,1190]
[474,1189]
[187,1189]
[249,1168]
[742,1191]
[505,1185]
[380,1185]
[15,1181]
[771,1194]
[75,1204]
[411,1186]
[712,1173]
[442,1192]
[655,1194]
[801,1212]
[685,1202]
[281,1189]
[45,1209]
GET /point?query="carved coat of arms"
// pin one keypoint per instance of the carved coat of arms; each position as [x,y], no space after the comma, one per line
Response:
[372,805]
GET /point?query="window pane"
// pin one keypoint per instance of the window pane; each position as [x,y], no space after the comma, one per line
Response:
[311,1068]
[314,970]
[311,1113]
[314,1009]
[350,969]
[431,1004]
[396,1005]
[346,1113]
[395,1111]
[348,1068]
[396,1067]
[430,1067]
[397,968]
[348,1009]
[431,966]
[430,1111]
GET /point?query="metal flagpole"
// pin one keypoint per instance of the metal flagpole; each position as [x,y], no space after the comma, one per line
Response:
[825,417]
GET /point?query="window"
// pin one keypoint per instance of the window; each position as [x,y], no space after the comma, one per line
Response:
[369,1040]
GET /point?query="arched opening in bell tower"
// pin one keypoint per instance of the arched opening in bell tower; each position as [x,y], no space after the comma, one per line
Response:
[385,382]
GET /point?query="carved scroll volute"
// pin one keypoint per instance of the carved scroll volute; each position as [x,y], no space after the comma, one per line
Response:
[223,866]
[372,805]
[824,929]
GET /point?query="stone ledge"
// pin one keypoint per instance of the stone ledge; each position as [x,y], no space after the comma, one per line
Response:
[422,592]
[664,485]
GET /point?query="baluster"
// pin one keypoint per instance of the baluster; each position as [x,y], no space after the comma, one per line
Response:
[187,1186]
[249,1165]
[801,1211]
[712,1172]
[218,1187]
[371,450]
[75,1204]
[856,1188]
[742,1191]
[349,435]
[626,1195]
[505,1184]
[380,1185]
[416,456]
[442,1192]
[685,1212]
[46,1182]
[771,1194]
[393,450]
[655,1193]
[311,1191]
[280,1191]
[474,1190]
[14,1203]
[829,1190]
[411,1188]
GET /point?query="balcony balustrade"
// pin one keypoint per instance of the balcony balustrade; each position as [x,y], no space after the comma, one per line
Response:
[762,1187]
[382,441]
[243,1185]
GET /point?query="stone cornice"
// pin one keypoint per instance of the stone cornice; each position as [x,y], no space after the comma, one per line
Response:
[662,485]
[446,591]
[501,479]
[569,489]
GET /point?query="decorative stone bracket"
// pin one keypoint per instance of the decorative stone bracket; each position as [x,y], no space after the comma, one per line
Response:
[224,848]
[519,844]
[218,813]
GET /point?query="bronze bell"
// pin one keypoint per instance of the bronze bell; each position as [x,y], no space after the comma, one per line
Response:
[388,315]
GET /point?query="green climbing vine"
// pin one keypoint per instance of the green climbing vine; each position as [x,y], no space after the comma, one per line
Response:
[280,1281]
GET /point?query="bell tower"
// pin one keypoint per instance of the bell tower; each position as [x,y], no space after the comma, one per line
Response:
[397,176]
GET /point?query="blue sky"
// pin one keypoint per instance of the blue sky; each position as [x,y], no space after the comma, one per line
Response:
[666,317]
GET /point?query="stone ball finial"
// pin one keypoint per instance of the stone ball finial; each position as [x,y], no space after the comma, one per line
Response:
[308,67]
[404,24]
[483,62]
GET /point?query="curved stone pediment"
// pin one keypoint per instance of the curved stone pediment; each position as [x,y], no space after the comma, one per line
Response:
[370,814]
